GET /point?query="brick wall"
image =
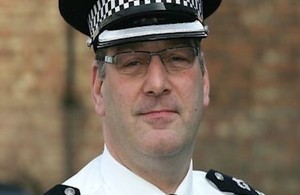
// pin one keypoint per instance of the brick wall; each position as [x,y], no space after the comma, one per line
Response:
[251,129]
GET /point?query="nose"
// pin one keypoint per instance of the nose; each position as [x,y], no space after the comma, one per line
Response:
[156,79]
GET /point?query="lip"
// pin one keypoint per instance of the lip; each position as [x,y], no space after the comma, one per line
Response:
[154,116]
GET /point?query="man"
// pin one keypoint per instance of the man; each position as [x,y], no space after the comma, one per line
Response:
[150,88]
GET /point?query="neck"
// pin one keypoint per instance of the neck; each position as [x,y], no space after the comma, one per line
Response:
[166,172]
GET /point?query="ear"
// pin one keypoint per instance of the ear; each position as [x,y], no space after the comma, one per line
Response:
[206,88]
[97,85]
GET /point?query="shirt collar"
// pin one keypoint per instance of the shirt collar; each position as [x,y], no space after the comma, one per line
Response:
[115,174]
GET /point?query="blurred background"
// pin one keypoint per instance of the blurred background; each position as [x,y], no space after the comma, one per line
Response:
[251,130]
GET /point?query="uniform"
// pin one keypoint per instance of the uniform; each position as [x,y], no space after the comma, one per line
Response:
[109,23]
[105,176]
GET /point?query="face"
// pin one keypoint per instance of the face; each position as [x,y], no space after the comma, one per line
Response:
[155,114]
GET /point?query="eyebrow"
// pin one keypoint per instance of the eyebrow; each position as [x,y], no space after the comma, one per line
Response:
[138,45]
[128,47]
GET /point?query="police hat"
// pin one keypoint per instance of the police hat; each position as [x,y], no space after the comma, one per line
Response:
[113,22]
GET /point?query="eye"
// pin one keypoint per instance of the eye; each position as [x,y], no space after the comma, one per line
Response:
[176,59]
[133,66]
[132,63]
[132,60]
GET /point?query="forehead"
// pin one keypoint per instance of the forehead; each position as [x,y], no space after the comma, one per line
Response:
[152,45]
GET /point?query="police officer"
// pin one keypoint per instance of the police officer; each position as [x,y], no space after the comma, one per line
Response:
[150,89]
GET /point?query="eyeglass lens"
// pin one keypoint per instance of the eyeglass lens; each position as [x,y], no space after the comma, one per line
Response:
[137,62]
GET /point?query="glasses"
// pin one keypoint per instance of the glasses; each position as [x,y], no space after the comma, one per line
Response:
[136,62]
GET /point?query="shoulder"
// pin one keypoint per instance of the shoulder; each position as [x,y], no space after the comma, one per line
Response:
[92,171]
[216,182]
[86,181]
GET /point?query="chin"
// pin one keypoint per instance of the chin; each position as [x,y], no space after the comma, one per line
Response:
[162,147]
[163,142]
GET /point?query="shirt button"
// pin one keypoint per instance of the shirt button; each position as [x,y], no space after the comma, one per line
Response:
[219,176]
[69,191]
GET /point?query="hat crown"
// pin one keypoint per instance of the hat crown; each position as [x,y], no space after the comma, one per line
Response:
[105,12]
[112,22]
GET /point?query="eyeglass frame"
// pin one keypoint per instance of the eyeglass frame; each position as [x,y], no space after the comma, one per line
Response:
[112,59]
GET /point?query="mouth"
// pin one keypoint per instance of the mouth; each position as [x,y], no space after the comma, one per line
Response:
[159,118]
[158,113]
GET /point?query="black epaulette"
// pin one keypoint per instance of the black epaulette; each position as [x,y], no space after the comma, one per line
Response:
[63,190]
[229,184]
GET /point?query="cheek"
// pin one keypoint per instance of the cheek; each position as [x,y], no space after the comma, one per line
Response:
[118,97]
[192,88]
[192,96]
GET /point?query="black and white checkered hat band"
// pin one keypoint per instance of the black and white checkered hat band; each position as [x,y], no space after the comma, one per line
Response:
[105,8]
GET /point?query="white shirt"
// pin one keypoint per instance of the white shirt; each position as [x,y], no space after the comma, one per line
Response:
[105,176]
